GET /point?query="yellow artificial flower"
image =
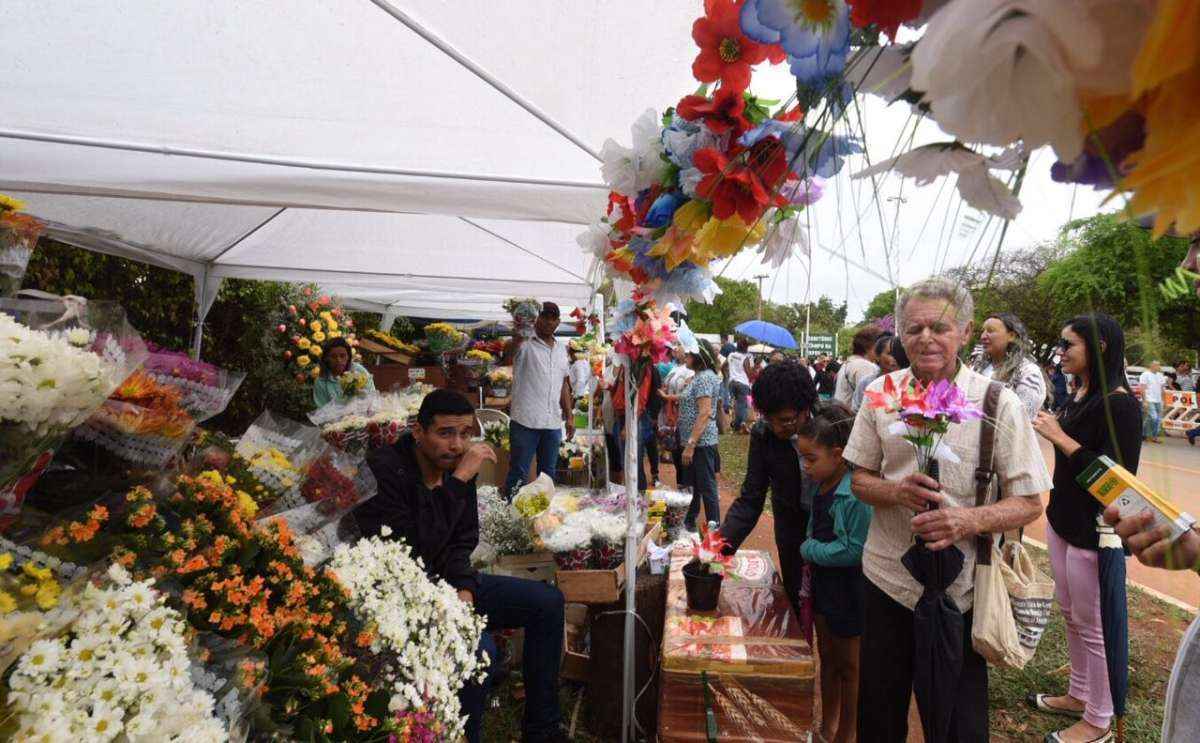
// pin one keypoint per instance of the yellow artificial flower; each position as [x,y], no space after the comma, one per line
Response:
[316,351]
[6,560]
[47,595]
[7,603]
[318,337]
[303,361]
[722,238]
[247,504]
[315,326]
[335,334]
[678,243]
[304,343]
[1167,73]
[28,589]
[33,571]
[326,315]
[331,326]
[8,203]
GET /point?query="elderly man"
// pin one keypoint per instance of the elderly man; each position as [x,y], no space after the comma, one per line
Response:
[934,321]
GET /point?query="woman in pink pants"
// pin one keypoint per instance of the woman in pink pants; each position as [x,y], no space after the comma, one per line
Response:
[1103,417]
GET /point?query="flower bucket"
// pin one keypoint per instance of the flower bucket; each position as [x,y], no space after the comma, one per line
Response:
[703,590]
[579,558]
[606,555]
[499,392]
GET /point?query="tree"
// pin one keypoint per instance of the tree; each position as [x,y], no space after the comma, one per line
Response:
[825,318]
[882,305]
[737,302]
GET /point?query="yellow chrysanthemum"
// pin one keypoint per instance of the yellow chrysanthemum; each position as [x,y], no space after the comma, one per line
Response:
[1167,73]
[47,595]
[6,560]
[315,326]
[8,203]
[303,360]
[247,504]
[318,337]
[7,603]
[721,238]
[33,571]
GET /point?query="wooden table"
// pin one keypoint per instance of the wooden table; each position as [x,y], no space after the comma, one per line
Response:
[758,667]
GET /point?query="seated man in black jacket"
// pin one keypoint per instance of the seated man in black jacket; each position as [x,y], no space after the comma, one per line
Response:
[427,497]
[784,395]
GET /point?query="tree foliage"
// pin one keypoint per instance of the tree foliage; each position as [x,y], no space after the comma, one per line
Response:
[882,305]
[737,302]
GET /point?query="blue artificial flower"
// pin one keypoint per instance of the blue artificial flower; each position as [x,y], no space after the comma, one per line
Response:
[682,138]
[664,208]
[815,50]
[827,154]
[753,28]
[689,281]
[655,268]
[791,133]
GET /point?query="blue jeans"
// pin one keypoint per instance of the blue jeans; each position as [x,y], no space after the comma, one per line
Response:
[517,603]
[702,476]
[1152,423]
[524,443]
[741,403]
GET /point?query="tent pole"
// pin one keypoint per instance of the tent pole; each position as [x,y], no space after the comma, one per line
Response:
[414,26]
[201,311]
[632,465]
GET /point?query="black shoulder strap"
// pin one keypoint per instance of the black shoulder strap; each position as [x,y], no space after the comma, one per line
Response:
[984,470]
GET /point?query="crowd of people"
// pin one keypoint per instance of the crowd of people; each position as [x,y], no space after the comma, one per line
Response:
[846,492]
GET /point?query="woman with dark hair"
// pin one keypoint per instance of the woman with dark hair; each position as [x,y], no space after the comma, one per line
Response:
[337,359]
[889,356]
[1006,359]
[698,434]
[784,396]
[1101,418]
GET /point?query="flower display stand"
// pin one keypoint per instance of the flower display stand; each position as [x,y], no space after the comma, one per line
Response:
[601,586]
[758,667]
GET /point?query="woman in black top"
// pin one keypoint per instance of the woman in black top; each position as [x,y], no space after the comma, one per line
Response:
[1101,418]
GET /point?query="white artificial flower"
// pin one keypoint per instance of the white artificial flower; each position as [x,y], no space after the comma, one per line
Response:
[977,186]
[594,240]
[628,170]
[999,71]
[884,71]
[784,239]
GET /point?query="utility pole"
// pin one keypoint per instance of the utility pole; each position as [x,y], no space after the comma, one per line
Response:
[760,278]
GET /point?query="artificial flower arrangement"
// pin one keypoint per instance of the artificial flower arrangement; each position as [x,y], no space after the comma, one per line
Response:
[430,633]
[584,321]
[501,381]
[524,311]
[354,383]
[18,237]
[121,669]
[392,342]
[925,413]
[143,421]
[494,346]
[703,573]
[496,434]
[309,320]
[443,337]
[479,356]
[206,389]
[54,379]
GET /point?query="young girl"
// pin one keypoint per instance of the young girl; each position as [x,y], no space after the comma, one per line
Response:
[836,533]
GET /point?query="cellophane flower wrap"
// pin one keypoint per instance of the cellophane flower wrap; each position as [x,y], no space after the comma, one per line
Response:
[38,596]
[59,362]
[524,311]
[278,452]
[143,422]
[333,486]
[368,422]
[432,635]
[18,237]
[496,434]
[205,389]
[122,669]
[444,337]
[926,412]
[503,530]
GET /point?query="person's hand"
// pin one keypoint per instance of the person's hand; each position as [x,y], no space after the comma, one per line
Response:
[942,527]
[570,422]
[917,491]
[1151,544]
[473,459]
[466,596]
[689,451]
[1047,426]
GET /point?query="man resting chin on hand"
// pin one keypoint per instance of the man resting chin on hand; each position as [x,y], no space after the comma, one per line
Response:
[427,498]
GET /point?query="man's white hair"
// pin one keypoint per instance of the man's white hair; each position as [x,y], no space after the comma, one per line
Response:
[938,287]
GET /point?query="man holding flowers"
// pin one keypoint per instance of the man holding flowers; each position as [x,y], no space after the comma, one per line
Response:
[934,322]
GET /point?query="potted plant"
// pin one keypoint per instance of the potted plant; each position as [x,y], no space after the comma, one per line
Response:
[703,575]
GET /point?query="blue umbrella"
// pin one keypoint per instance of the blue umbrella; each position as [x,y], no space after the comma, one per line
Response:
[766,332]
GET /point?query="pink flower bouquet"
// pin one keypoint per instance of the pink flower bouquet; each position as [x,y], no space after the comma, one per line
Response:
[926,412]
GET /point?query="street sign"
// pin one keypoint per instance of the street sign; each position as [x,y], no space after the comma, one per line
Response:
[821,344]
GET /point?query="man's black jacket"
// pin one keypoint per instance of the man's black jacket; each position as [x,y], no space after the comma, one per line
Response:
[440,525]
[772,463]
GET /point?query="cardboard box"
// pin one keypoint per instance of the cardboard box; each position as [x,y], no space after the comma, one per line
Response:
[1109,483]
[538,566]
[601,586]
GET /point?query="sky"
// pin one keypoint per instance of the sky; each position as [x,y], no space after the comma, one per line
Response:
[924,229]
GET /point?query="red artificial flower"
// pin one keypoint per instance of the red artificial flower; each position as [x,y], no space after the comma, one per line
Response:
[726,54]
[722,113]
[886,14]
[745,185]
[625,217]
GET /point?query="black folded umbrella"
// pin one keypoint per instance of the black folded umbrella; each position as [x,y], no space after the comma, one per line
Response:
[1114,621]
[937,637]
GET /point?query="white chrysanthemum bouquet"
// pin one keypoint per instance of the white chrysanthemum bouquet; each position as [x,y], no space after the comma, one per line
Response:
[431,635]
[121,670]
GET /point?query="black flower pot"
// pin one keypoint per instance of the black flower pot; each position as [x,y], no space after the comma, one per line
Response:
[703,588]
